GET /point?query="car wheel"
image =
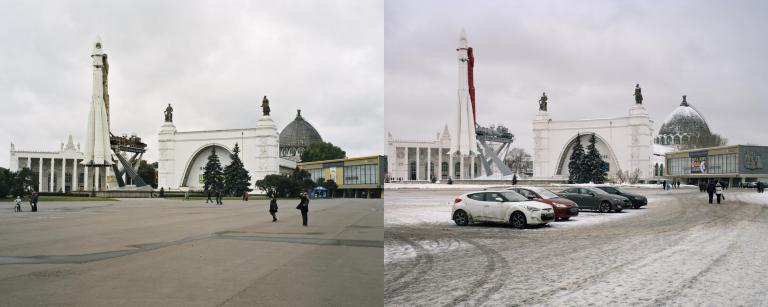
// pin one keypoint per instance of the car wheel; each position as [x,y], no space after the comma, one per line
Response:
[517,220]
[565,218]
[605,207]
[460,218]
[636,206]
[617,210]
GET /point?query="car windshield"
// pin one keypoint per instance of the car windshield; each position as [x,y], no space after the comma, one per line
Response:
[545,194]
[513,196]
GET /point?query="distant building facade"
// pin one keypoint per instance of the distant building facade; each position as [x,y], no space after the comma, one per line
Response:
[733,164]
[360,177]
[53,171]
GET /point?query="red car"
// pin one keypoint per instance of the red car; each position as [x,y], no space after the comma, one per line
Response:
[564,208]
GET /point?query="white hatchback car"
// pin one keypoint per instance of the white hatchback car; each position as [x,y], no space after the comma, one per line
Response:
[500,206]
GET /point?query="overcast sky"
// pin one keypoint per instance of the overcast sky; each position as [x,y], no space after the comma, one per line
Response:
[212,60]
[587,56]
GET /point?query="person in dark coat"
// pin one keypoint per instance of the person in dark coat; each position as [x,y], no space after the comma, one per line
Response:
[218,198]
[304,207]
[210,191]
[719,191]
[711,190]
[273,207]
[33,201]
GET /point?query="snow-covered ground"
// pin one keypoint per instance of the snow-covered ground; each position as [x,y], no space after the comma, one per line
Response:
[677,251]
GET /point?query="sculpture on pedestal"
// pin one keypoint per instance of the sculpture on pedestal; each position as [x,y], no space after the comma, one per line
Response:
[265,106]
[638,94]
[543,102]
[169,114]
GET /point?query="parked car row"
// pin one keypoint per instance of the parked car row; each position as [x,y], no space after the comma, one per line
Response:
[523,206]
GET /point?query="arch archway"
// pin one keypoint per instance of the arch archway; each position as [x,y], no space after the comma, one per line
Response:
[192,168]
[562,165]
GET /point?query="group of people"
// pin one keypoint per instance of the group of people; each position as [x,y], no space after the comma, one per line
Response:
[666,185]
[218,197]
[32,203]
[303,206]
[715,188]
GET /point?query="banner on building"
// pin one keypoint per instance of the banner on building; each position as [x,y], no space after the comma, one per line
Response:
[698,161]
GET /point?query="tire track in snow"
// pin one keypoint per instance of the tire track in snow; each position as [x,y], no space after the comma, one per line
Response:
[496,265]
[422,265]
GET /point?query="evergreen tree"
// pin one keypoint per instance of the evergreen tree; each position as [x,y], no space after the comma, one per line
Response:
[595,167]
[576,165]
[236,178]
[213,176]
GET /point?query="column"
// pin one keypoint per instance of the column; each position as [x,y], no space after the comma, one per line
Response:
[40,175]
[450,165]
[29,163]
[429,164]
[461,166]
[52,188]
[97,179]
[407,166]
[472,167]
[86,179]
[74,176]
[417,164]
[63,174]
[439,163]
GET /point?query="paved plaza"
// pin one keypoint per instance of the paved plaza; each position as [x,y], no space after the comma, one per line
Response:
[158,252]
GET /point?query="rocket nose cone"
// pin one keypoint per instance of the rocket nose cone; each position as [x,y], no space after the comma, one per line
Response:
[97,45]
[463,39]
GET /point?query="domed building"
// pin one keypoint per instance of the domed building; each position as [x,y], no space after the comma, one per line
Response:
[295,138]
[684,128]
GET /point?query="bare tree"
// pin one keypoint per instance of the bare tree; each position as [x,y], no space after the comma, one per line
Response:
[620,176]
[634,177]
[517,160]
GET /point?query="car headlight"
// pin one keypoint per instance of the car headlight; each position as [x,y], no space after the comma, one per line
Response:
[532,208]
[561,206]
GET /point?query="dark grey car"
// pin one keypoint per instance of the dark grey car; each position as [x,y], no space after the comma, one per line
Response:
[595,199]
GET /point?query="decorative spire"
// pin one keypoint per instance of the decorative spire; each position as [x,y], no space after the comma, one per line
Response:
[298,113]
[684,103]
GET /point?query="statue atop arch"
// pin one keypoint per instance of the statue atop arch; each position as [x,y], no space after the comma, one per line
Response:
[638,94]
[543,102]
[169,114]
[265,106]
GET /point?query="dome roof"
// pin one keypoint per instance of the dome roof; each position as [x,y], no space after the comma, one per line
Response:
[684,120]
[298,133]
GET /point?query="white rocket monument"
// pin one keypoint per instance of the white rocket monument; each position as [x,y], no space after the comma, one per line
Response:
[465,143]
[97,148]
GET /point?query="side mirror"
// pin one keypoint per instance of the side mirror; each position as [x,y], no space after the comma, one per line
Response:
[499,199]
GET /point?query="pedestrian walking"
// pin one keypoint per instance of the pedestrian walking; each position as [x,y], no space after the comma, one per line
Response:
[719,191]
[304,207]
[711,191]
[245,195]
[273,207]
[209,196]
[17,208]
[678,184]
[33,201]
[218,198]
